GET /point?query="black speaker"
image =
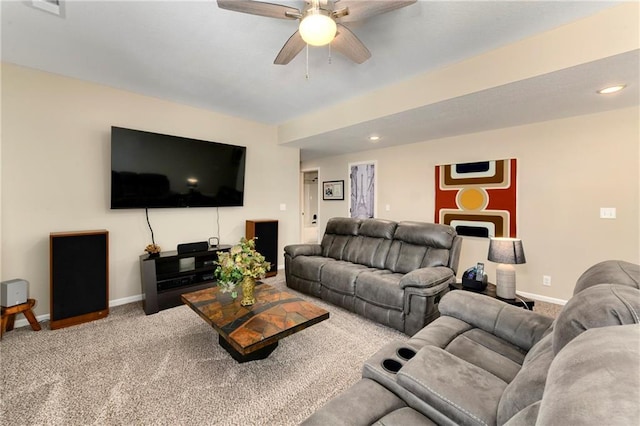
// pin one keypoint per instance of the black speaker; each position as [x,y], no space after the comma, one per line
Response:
[265,232]
[193,247]
[79,277]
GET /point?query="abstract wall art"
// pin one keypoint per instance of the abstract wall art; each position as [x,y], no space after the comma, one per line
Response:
[477,199]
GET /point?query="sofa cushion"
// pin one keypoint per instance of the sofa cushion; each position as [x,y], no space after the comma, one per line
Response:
[598,306]
[371,246]
[340,276]
[309,267]
[381,288]
[343,226]
[513,324]
[527,416]
[333,246]
[404,417]
[354,406]
[595,379]
[368,251]
[488,352]
[439,333]
[338,233]
[404,257]
[425,234]
[609,272]
[419,245]
[528,385]
[378,228]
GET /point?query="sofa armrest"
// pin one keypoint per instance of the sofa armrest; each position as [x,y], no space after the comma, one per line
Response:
[463,392]
[518,326]
[295,250]
[427,277]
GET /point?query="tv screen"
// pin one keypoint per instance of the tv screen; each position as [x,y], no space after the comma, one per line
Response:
[155,170]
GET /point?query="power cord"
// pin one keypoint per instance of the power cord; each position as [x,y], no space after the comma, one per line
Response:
[524,303]
[146,212]
[217,238]
[218,222]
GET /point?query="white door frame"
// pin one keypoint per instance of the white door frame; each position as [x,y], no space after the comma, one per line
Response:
[302,200]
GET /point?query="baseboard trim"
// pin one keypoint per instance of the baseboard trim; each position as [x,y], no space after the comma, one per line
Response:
[46,317]
[543,298]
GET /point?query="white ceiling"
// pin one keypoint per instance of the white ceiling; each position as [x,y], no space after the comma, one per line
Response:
[197,54]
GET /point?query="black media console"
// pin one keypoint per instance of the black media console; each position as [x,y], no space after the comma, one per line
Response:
[167,276]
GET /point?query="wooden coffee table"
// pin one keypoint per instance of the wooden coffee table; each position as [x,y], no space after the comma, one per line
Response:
[252,332]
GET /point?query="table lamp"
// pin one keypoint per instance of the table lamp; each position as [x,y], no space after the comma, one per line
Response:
[506,252]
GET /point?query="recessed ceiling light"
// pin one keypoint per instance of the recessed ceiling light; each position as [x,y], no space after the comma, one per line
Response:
[374,138]
[612,89]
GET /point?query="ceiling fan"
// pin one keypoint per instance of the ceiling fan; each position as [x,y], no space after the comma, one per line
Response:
[321,23]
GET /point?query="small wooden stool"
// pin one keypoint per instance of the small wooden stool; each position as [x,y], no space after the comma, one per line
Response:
[9,316]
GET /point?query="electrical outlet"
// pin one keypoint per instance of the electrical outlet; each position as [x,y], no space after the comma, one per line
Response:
[607,212]
[546,280]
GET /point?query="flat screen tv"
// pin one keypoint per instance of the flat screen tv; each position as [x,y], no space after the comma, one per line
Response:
[151,170]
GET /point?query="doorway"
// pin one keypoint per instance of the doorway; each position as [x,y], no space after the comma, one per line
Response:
[309,206]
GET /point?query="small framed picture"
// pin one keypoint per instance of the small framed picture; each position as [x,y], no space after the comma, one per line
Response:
[333,190]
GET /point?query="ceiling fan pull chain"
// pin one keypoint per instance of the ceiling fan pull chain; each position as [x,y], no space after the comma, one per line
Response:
[329,53]
[307,75]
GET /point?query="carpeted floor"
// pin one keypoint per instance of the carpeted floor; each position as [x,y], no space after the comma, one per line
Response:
[168,369]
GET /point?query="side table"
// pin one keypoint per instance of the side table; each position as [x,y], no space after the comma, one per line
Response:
[490,291]
[9,316]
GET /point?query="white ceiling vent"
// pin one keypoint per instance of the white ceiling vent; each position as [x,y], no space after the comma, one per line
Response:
[51,6]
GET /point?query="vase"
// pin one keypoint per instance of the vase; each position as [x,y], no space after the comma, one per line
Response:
[248,285]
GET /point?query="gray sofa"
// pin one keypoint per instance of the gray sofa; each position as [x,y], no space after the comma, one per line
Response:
[484,362]
[391,272]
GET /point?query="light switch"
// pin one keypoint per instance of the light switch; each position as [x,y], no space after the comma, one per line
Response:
[387,207]
[607,212]
[283,207]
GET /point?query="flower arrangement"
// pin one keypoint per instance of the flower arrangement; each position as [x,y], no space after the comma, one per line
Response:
[241,261]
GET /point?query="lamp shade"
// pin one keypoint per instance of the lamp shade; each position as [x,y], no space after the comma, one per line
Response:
[506,250]
[317,28]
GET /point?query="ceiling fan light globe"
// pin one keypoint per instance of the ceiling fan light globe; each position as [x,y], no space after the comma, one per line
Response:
[317,29]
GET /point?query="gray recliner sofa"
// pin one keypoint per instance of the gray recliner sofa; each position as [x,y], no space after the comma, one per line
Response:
[391,272]
[484,362]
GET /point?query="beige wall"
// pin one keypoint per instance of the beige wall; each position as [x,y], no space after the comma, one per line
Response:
[56,176]
[567,170]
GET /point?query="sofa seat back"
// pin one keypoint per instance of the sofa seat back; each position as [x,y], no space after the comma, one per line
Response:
[337,235]
[419,245]
[602,305]
[371,246]
[609,271]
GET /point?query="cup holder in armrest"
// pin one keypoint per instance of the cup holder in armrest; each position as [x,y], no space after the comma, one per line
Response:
[391,365]
[406,353]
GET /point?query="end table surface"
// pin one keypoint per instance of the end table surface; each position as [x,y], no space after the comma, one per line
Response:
[275,315]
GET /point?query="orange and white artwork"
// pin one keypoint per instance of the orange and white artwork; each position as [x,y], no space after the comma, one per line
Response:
[478,199]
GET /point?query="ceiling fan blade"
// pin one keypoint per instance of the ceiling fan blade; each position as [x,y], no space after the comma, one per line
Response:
[350,46]
[361,10]
[259,8]
[291,48]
